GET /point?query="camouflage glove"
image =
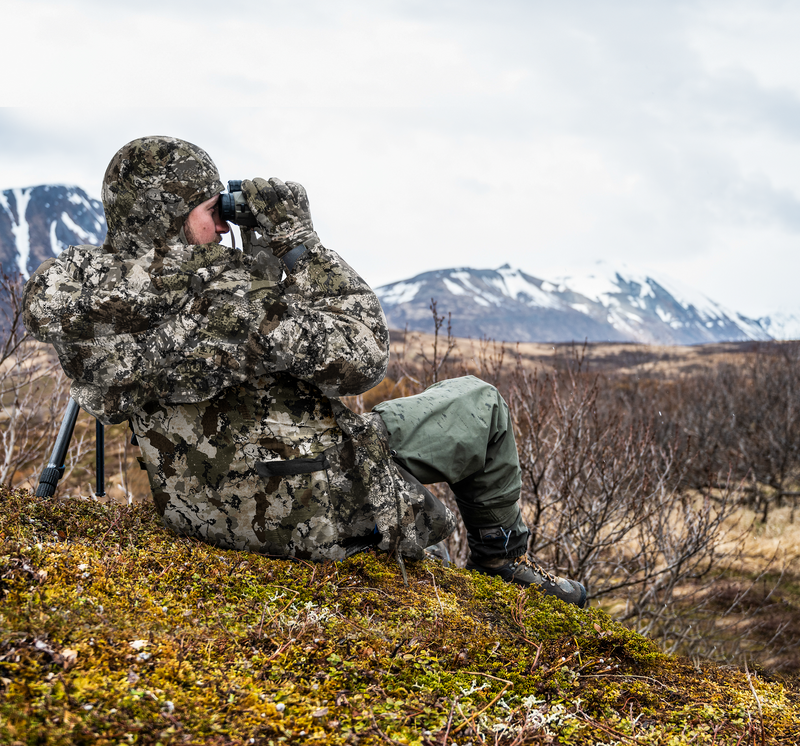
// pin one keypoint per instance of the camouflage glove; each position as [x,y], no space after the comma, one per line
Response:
[256,245]
[282,213]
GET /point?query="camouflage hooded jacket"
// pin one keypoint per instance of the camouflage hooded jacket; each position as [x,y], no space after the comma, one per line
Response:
[229,375]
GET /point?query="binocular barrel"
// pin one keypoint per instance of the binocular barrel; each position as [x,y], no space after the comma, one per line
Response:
[234,208]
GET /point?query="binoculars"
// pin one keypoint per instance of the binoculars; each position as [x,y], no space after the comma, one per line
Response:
[234,208]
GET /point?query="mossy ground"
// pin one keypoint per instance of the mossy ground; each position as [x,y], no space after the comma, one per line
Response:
[115,631]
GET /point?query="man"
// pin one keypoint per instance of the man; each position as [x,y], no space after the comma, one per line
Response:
[229,366]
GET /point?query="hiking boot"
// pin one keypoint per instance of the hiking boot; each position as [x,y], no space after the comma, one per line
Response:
[438,553]
[524,571]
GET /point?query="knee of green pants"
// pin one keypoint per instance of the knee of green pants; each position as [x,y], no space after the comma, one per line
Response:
[456,430]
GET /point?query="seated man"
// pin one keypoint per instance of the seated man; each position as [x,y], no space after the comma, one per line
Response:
[229,366]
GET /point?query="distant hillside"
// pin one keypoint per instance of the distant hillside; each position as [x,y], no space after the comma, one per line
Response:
[608,305]
[39,222]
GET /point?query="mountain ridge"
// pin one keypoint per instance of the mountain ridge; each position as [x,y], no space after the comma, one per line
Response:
[608,304]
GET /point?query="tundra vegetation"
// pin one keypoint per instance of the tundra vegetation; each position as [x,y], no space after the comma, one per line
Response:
[668,487]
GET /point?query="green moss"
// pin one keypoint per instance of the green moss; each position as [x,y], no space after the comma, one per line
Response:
[115,631]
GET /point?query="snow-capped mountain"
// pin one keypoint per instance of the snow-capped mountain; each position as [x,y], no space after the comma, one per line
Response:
[39,222]
[781,325]
[606,304]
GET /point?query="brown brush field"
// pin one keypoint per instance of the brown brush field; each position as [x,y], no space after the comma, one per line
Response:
[126,480]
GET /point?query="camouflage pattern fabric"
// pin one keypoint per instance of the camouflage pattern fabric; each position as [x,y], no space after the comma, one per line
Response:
[205,462]
[222,365]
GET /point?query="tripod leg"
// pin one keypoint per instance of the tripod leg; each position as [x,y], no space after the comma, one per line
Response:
[55,467]
[100,464]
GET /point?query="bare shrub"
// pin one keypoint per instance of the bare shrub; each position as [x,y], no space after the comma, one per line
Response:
[607,502]
[743,418]
[33,396]
[411,378]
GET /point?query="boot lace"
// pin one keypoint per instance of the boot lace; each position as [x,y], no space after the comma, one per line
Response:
[527,560]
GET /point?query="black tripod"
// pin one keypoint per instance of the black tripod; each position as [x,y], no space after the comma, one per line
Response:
[55,467]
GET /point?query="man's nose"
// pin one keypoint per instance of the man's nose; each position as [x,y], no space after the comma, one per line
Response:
[222,226]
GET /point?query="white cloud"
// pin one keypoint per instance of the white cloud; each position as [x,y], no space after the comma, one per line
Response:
[442,134]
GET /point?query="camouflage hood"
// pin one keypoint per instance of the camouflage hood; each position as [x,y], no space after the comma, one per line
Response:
[149,189]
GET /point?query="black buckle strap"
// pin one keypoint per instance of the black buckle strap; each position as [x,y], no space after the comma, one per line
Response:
[291,466]
[291,257]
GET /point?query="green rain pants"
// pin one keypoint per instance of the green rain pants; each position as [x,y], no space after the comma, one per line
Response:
[459,431]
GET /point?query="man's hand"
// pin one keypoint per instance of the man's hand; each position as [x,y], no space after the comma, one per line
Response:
[282,213]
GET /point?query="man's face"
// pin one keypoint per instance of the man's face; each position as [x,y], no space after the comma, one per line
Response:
[204,225]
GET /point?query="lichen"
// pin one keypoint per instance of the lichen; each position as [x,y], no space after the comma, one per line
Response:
[114,631]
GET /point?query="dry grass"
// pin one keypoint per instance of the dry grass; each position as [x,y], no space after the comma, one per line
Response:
[619,357]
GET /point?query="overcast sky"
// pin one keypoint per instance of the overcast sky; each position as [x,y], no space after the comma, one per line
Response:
[661,134]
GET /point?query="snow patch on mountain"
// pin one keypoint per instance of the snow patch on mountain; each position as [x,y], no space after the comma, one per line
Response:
[619,289]
[521,287]
[454,288]
[85,236]
[781,325]
[402,292]
[21,230]
[55,244]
